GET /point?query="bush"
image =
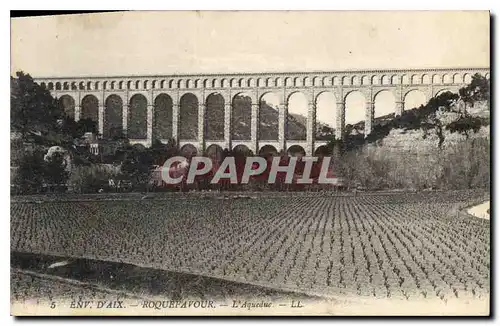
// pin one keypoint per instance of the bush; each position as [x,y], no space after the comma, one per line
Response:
[85,179]
[29,175]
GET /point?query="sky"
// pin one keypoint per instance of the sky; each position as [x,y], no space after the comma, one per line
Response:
[185,42]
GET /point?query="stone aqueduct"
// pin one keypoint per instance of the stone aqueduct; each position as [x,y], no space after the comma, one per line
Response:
[340,83]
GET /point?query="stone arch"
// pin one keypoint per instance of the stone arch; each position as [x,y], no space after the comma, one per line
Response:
[81,85]
[355,81]
[395,80]
[43,85]
[268,116]
[436,79]
[163,116]
[90,108]
[163,84]
[190,84]
[113,116]
[336,81]
[172,84]
[375,80]
[386,80]
[260,82]
[270,82]
[426,80]
[355,104]
[268,150]
[58,86]
[242,150]
[154,84]
[322,150]
[206,83]
[405,80]
[297,82]
[66,86]
[296,150]
[129,85]
[214,117]
[384,103]
[188,151]
[457,78]
[279,82]
[242,82]
[413,98]
[346,80]
[197,83]
[67,104]
[181,84]
[467,78]
[447,79]
[188,116]
[296,116]
[89,86]
[241,117]
[145,84]
[215,153]
[50,85]
[307,81]
[317,81]
[137,118]
[137,84]
[139,147]
[441,91]
[487,75]
[105,85]
[288,82]
[327,81]
[365,80]
[234,82]
[225,83]
[74,87]
[251,82]
[415,79]
[120,84]
[325,115]
[97,85]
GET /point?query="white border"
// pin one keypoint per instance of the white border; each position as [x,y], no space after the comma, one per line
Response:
[202,5]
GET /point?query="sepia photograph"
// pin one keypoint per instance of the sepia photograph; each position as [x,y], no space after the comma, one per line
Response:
[250,163]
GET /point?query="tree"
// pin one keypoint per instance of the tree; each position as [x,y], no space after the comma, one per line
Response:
[55,169]
[430,115]
[32,108]
[465,124]
[29,176]
[33,171]
[477,90]
[77,129]
[137,165]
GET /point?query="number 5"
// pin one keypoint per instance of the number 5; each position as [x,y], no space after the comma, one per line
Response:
[53,305]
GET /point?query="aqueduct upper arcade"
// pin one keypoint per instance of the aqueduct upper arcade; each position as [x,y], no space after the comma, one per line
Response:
[148,107]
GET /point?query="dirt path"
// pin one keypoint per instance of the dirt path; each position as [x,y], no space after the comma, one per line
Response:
[481,210]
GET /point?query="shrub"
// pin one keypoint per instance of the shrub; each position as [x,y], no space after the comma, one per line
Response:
[91,178]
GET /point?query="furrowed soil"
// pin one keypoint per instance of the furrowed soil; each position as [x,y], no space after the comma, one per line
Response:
[404,246]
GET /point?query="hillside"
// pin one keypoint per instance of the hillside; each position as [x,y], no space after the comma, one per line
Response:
[414,140]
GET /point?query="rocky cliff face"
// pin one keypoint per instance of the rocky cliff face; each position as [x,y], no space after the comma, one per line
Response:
[415,141]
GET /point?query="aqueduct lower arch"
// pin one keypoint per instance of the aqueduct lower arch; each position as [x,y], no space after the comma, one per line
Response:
[168,102]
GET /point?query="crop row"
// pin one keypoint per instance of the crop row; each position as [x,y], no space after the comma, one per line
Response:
[406,245]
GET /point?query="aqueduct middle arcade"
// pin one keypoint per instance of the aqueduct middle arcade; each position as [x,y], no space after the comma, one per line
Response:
[255,110]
